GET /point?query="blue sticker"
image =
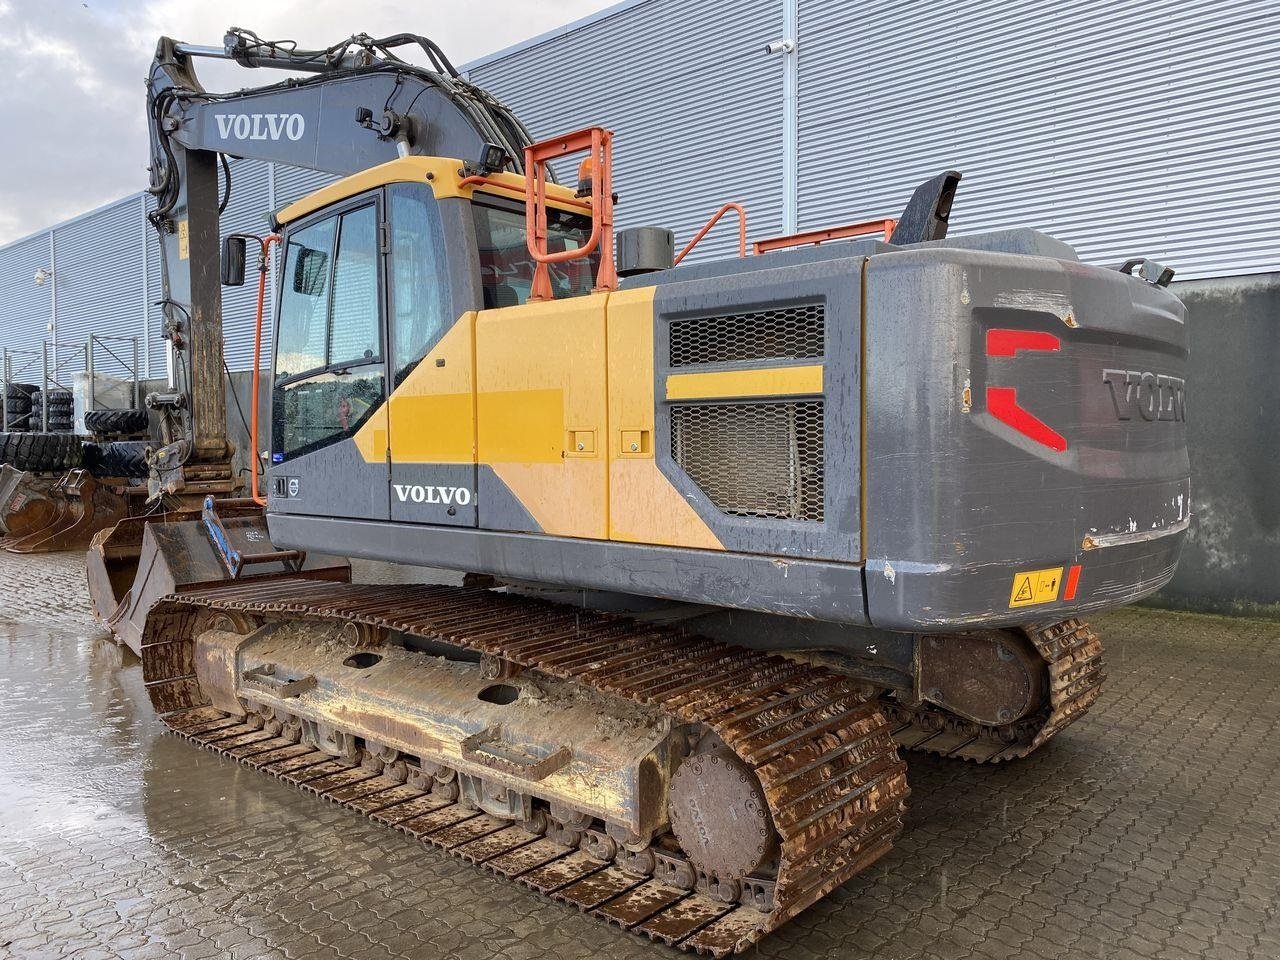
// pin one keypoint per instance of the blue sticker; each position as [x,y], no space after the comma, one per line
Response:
[277,458]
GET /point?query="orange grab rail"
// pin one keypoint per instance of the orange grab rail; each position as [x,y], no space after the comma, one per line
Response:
[740,210]
[599,143]
[263,264]
[884,224]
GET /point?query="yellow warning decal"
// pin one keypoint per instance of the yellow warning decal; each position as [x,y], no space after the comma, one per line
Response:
[1035,586]
[184,241]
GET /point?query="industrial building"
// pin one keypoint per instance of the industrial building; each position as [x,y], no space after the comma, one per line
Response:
[1126,129]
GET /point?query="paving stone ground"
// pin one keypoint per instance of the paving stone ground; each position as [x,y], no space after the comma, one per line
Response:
[1148,831]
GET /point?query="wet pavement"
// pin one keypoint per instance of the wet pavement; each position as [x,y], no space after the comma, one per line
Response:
[1148,831]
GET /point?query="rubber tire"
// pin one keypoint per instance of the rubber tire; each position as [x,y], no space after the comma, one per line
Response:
[54,398]
[116,423]
[41,452]
[18,421]
[20,391]
[59,418]
[124,458]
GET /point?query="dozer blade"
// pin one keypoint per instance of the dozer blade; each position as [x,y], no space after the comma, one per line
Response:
[141,559]
[46,514]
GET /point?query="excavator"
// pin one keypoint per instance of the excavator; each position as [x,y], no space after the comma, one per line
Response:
[731,533]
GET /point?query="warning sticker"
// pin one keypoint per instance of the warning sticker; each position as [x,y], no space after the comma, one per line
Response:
[1035,586]
[184,240]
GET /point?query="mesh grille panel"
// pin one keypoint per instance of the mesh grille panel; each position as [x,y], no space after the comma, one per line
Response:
[754,459]
[785,333]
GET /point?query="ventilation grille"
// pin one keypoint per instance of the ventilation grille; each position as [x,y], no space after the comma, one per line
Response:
[754,459]
[785,333]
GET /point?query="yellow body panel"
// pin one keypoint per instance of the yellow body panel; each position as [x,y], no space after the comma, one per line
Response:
[767,382]
[442,174]
[540,379]
[373,437]
[433,413]
[643,505]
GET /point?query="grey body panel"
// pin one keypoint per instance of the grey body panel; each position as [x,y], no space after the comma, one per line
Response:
[958,501]
[332,481]
[443,493]
[500,509]
[836,285]
[1021,240]
[798,588]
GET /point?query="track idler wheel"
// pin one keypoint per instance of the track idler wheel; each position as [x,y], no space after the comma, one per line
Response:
[720,815]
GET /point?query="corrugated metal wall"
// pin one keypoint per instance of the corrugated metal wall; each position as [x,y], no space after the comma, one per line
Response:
[246,212]
[1119,126]
[100,289]
[695,106]
[25,308]
[106,280]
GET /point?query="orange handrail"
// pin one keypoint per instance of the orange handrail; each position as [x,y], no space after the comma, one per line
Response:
[815,237]
[263,264]
[599,142]
[715,218]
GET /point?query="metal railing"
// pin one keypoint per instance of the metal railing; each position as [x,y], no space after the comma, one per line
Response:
[56,360]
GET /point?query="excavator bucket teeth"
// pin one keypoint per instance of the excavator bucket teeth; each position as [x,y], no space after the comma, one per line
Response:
[45,514]
[142,559]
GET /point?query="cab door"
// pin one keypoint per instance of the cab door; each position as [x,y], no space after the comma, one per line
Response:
[329,381]
[432,409]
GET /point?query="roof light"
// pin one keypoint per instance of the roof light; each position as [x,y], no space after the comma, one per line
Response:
[586,171]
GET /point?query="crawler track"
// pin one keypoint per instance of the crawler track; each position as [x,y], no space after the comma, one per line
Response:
[822,751]
[1073,656]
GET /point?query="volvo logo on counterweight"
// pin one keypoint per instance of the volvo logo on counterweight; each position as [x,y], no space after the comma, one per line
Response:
[1152,396]
[260,126]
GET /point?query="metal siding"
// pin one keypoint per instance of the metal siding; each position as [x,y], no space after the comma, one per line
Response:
[247,212]
[159,347]
[294,183]
[1123,128]
[24,306]
[98,273]
[694,102]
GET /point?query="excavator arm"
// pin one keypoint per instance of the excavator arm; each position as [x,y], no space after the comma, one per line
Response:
[357,105]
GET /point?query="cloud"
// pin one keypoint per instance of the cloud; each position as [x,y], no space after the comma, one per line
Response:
[72,98]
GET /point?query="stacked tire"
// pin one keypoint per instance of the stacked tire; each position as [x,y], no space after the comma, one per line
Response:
[116,423]
[41,452]
[51,410]
[18,398]
[123,459]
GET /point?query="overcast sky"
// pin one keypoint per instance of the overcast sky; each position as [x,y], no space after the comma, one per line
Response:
[71,85]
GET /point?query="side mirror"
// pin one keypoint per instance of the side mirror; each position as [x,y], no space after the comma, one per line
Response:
[233,252]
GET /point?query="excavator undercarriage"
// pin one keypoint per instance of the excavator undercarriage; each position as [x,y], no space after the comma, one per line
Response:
[682,788]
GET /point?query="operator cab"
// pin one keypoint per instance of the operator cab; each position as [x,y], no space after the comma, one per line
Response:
[376,269]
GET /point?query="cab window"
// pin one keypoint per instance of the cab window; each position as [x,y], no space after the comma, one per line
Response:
[419,298]
[328,371]
[506,268]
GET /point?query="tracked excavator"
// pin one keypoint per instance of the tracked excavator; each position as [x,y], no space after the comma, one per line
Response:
[733,532]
